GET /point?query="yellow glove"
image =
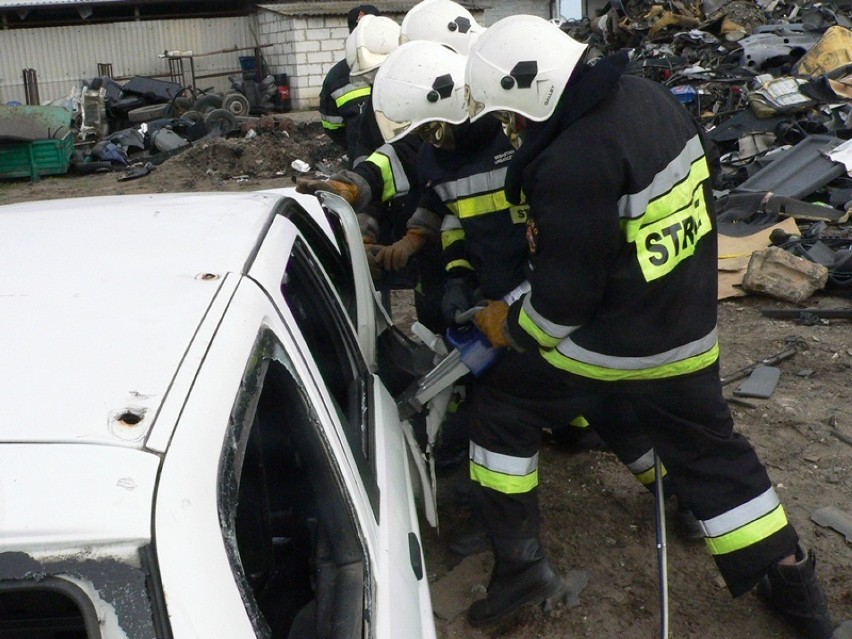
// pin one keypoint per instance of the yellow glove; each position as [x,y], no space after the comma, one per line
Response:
[396,256]
[348,191]
[491,320]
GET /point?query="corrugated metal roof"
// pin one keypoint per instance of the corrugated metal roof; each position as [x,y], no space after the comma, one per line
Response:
[14,4]
[342,8]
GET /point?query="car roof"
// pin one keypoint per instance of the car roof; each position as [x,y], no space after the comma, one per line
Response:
[99,300]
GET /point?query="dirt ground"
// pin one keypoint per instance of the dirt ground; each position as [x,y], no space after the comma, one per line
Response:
[596,517]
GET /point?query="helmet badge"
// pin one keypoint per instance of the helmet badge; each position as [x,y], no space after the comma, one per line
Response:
[523,74]
[442,88]
[460,24]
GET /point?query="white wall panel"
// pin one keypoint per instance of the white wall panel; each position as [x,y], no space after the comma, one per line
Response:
[64,56]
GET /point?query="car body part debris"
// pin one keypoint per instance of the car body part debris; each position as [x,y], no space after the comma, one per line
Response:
[761,382]
[786,354]
[802,314]
[134,172]
[799,171]
[832,517]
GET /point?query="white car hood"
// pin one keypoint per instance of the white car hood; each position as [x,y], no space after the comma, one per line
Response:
[58,496]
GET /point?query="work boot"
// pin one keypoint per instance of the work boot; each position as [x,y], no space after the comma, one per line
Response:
[470,539]
[688,525]
[795,594]
[522,576]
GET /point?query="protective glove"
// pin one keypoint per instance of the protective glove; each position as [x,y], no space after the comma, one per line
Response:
[396,256]
[491,320]
[346,190]
[347,184]
[458,297]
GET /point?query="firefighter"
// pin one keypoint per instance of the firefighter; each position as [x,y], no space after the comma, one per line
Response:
[382,174]
[622,305]
[341,98]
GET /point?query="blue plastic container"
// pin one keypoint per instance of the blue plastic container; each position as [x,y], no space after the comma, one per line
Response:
[476,351]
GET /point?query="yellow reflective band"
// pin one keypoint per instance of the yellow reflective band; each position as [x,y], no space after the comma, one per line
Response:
[458,264]
[526,323]
[352,95]
[479,204]
[579,422]
[331,126]
[672,369]
[748,535]
[383,162]
[502,483]
[647,478]
[681,195]
[672,225]
[451,236]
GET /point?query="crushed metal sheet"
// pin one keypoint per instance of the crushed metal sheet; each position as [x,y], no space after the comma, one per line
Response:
[834,518]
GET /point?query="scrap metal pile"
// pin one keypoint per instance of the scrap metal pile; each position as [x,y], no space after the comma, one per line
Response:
[771,83]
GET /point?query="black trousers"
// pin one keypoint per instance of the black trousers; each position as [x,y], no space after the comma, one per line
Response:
[685,418]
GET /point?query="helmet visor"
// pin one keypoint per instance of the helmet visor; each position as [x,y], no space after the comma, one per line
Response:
[391,129]
[474,106]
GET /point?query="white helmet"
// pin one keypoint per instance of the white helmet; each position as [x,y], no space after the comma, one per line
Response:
[441,21]
[420,82]
[520,64]
[370,43]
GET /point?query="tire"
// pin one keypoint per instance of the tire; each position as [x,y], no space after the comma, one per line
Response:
[221,119]
[208,103]
[237,104]
[192,116]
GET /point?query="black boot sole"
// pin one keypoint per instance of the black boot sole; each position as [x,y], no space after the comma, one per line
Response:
[547,596]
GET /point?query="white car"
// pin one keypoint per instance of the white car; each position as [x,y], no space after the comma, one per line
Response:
[194,440]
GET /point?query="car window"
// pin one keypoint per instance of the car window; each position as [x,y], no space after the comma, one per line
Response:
[335,262]
[335,350]
[285,511]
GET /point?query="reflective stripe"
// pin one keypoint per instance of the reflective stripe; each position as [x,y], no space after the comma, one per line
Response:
[506,484]
[394,179]
[682,360]
[643,463]
[350,92]
[331,119]
[749,534]
[472,185]
[542,330]
[449,223]
[504,473]
[451,237]
[474,195]
[458,264]
[332,126]
[741,515]
[501,463]
[634,205]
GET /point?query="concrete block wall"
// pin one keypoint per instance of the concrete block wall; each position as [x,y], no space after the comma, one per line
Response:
[305,48]
[494,11]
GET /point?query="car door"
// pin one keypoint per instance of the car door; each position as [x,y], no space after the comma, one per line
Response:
[346,433]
